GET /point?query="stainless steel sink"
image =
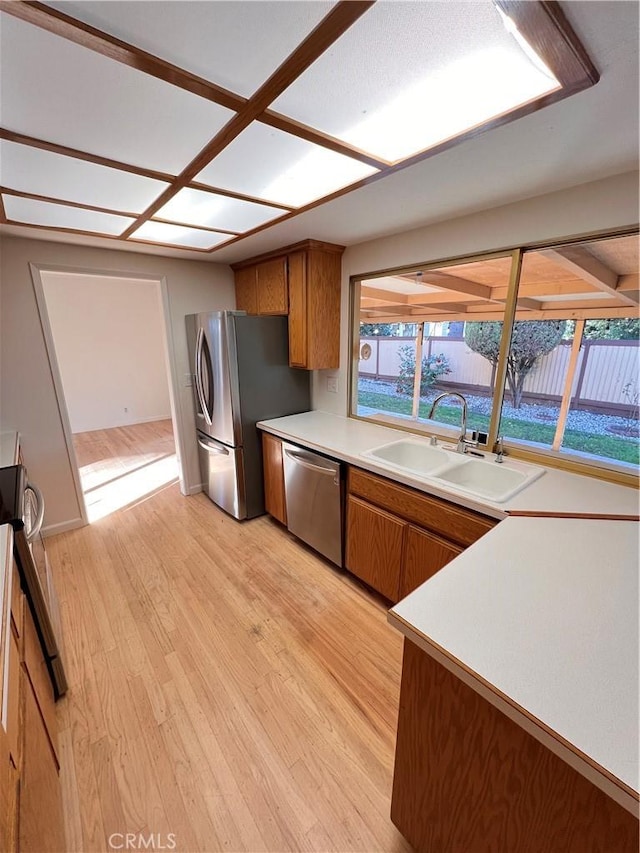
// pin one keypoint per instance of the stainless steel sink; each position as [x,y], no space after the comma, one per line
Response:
[416,456]
[489,480]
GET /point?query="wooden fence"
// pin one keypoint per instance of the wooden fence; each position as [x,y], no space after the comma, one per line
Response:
[607,377]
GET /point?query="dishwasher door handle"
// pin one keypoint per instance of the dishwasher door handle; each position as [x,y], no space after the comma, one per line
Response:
[330,468]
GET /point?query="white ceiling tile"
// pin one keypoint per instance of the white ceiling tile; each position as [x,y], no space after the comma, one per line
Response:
[178,235]
[40,172]
[418,73]
[56,90]
[287,171]
[224,42]
[197,207]
[34,212]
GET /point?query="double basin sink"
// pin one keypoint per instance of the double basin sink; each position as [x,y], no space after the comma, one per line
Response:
[483,478]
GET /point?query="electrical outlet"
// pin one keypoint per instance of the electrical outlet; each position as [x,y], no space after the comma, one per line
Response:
[188,380]
[126,408]
[332,384]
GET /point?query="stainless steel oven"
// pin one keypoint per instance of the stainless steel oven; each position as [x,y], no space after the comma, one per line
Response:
[22,506]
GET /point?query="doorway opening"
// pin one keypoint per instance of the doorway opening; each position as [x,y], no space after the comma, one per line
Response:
[107,344]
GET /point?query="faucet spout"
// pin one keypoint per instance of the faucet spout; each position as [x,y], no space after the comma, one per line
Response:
[461,446]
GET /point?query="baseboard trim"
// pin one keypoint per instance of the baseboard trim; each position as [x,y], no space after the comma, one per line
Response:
[62,527]
[124,424]
[193,490]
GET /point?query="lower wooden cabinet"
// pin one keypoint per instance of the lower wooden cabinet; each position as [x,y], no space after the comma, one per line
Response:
[41,827]
[29,783]
[424,555]
[374,546]
[274,499]
[397,537]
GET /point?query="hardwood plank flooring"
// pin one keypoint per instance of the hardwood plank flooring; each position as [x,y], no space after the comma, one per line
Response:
[119,465]
[226,685]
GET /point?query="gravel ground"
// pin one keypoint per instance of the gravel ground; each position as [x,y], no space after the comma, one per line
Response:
[582,421]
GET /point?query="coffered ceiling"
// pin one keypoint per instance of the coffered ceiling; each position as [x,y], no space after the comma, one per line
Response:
[194,127]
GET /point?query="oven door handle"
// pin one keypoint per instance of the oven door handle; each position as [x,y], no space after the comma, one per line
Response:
[37,524]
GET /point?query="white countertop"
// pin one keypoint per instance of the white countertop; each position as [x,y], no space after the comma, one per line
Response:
[545,610]
[540,615]
[556,491]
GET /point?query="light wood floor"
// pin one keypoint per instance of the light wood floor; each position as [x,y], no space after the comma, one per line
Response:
[119,465]
[227,686]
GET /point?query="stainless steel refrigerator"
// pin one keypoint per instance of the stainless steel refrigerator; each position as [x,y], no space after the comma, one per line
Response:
[241,375]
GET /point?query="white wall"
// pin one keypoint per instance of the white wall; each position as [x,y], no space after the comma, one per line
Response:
[27,399]
[109,338]
[602,205]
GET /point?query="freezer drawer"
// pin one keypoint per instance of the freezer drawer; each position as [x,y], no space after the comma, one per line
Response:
[313,494]
[222,470]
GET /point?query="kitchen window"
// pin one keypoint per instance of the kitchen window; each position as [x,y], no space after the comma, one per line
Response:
[543,344]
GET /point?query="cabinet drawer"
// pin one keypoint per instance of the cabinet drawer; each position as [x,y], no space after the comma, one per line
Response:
[39,676]
[462,526]
[374,546]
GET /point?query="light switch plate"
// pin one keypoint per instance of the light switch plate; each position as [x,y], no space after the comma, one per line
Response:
[332,384]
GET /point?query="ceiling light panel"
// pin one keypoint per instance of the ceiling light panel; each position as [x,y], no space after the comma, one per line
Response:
[224,42]
[56,90]
[210,210]
[458,67]
[32,212]
[33,170]
[287,170]
[178,235]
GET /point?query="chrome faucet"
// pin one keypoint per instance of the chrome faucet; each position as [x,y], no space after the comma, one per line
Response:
[463,442]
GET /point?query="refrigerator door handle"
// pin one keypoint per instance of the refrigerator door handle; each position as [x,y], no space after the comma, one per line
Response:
[213,448]
[37,523]
[198,377]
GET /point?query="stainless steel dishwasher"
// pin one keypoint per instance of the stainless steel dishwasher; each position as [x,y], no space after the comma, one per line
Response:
[313,492]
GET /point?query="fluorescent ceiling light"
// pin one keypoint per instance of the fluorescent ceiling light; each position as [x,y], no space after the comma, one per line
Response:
[179,235]
[33,212]
[210,210]
[466,93]
[288,170]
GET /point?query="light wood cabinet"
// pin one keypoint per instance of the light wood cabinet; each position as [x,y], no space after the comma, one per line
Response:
[424,555]
[271,286]
[304,282]
[397,537]
[374,546]
[246,290]
[469,778]
[29,763]
[274,499]
[41,827]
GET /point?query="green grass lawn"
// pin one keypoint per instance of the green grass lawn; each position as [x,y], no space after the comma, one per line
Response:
[608,446]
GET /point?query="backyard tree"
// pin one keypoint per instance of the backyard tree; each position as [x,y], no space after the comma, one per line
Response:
[531,339]
[383,330]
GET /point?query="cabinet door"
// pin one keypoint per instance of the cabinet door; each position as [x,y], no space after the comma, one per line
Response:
[36,667]
[246,292]
[41,827]
[8,798]
[298,310]
[374,546]
[274,501]
[424,555]
[323,310]
[271,282]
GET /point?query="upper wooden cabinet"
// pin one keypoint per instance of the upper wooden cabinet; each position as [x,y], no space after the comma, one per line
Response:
[302,281]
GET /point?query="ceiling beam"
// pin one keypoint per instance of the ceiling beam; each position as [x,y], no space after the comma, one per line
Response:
[542,289]
[579,303]
[628,282]
[87,36]
[459,285]
[379,293]
[575,314]
[586,266]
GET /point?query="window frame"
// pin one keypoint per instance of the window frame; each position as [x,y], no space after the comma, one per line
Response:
[552,457]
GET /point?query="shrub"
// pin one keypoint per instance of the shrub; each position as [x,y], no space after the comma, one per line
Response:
[433,367]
